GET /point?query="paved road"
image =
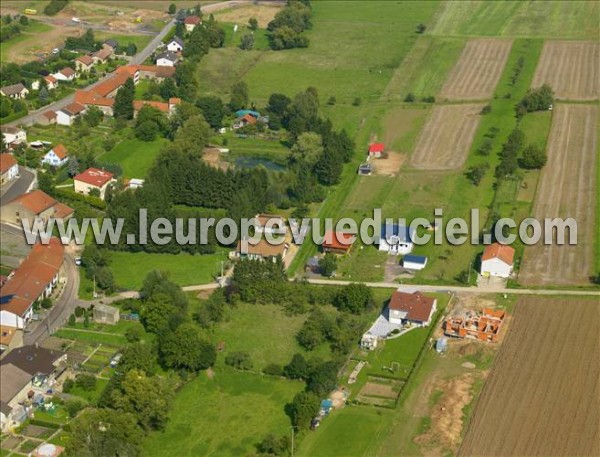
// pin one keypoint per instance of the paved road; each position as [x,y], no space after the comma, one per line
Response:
[18,187]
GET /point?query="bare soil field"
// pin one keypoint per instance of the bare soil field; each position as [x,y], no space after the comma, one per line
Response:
[389,164]
[475,75]
[446,139]
[567,188]
[263,14]
[542,395]
[378,390]
[570,68]
[212,156]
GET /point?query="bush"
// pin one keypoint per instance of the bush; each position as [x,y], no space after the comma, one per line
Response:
[68,385]
[86,382]
[72,320]
[134,334]
[429,99]
[79,311]
[410,98]
[46,303]
[73,406]
[357,101]
[332,100]
[54,7]
[273,369]
[486,109]
[533,158]
[240,360]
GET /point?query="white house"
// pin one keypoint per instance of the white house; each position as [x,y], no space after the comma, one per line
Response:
[13,135]
[57,156]
[68,114]
[411,308]
[175,45]
[166,59]
[66,74]
[396,239]
[497,260]
[9,168]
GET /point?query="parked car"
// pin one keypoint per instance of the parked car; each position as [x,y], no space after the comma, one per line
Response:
[78,261]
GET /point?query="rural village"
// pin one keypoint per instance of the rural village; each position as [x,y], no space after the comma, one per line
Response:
[279,111]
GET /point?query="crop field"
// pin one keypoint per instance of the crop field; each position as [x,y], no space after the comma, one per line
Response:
[567,189]
[570,68]
[478,70]
[528,405]
[446,138]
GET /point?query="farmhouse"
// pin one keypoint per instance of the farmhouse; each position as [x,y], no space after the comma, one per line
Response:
[92,98]
[9,168]
[263,250]
[131,71]
[68,114]
[166,59]
[497,260]
[13,135]
[93,178]
[102,95]
[414,262]
[411,308]
[33,280]
[482,326]
[84,63]
[14,91]
[376,150]
[57,156]
[396,239]
[47,118]
[66,74]
[34,206]
[191,22]
[338,242]
[175,45]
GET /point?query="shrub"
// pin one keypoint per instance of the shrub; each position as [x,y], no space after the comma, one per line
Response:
[429,99]
[410,98]
[332,100]
[72,320]
[240,360]
[273,369]
[86,381]
[73,406]
[46,303]
[357,101]
[486,109]
[79,311]
[68,385]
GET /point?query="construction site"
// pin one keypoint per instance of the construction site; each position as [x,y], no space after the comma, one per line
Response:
[479,325]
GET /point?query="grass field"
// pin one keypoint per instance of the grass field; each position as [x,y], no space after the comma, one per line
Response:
[130,269]
[134,156]
[22,47]
[141,41]
[91,337]
[225,416]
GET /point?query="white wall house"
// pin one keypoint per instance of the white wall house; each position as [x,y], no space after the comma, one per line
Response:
[411,308]
[497,260]
[166,59]
[396,239]
[9,168]
[57,156]
[13,135]
[69,113]
[175,45]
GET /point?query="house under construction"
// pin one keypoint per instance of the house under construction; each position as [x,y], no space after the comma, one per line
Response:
[482,326]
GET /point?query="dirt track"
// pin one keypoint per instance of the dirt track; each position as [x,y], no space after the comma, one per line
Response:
[446,138]
[567,189]
[570,68]
[476,74]
[542,396]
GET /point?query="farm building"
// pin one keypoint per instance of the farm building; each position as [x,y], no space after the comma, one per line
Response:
[414,262]
[396,239]
[68,114]
[337,242]
[105,314]
[482,326]
[497,260]
[411,308]
[376,150]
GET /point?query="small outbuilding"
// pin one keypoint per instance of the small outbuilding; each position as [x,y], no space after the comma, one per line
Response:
[376,150]
[105,314]
[414,262]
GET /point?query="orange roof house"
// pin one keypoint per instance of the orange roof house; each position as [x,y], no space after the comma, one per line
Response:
[92,178]
[34,205]
[413,307]
[497,260]
[7,161]
[337,242]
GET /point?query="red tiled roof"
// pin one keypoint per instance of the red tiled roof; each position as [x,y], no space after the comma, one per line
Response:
[86,60]
[130,70]
[111,84]
[376,147]
[192,20]
[161,106]
[49,114]
[103,53]
[74,108]
[94,177]
[35,201]
[61,211]
[174,101]
[499,251]
[248,118]
[338,240]
[89,97]
[60,151]
[6,161]
[51,79]
[67,71]
[416,305]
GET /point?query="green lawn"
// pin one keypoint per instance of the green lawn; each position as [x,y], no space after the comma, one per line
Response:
[135,156]
[91,337]
[141,41]
[29,36]
[553,20]
[90,396]
[130,269]
[224,416]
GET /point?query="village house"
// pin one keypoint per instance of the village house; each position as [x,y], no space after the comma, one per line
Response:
[191,22]
[47,118]
[175,45]
[246,119]
[93,178]
[396,239]
[411,308]
[13,135]
[14,91]
[166,59]
[33,280]
[57,156]
[271,224]
[51,82]
[14,386]
[263,250]
[111,44]
[497,260]
[101,56]
[84,63]
[9,168]
[66,74]
[376,150]
[164,107]
[34,205]
[68,114]
[338,242]
[11,332]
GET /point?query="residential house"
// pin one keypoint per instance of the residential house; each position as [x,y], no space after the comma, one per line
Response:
[338,242]
[34,205]
[414,262]
[57,156]
[9,168]
[263,250]
[66,74]
[102,55]
[411,308]
[166,59]
[68,114]
[396,239]
[105,314]
[112,44]
[165,107]
[246,119]
[93,178]
[376,150]
[47,118]
[14,91]
[92,98]
[13,135]
[15,383]
[130,71]
[51,82]
[33,280]
[84,63]
[270,224]
[11,332]
[175,45]
[191,22]
[497,260]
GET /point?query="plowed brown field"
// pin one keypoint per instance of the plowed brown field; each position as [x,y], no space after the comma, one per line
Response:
[447,137]
[567,189]
[542,397]
[475,75]
[571,68]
